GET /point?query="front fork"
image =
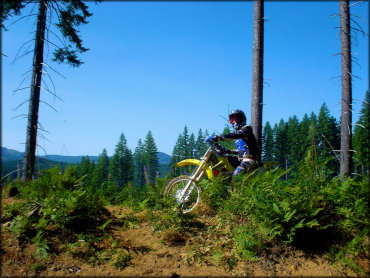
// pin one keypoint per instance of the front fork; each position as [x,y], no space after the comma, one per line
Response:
[194,178]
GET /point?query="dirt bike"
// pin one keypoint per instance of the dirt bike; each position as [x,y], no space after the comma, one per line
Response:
[185,191]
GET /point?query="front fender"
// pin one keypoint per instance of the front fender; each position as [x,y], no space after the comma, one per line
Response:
[196,162]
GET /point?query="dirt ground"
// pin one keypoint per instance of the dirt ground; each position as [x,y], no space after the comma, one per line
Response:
[153,253]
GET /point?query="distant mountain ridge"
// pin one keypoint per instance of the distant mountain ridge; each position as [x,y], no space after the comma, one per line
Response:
[12,155]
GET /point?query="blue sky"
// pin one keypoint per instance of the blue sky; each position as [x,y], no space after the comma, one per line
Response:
[159,66]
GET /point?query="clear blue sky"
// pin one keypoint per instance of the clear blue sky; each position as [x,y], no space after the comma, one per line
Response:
[162,65]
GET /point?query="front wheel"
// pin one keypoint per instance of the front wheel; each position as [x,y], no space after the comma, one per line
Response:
[174,191]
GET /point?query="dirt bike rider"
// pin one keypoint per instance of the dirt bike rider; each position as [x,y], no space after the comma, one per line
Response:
[245,142]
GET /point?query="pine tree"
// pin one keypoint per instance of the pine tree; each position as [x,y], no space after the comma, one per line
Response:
[267,143]
[139,163]
[114,170]
[9,8]
[199,144]
[361,137]
[281,143]
[328,136]
[151,157]
[84,168]
[313,136]
[176,156]
[293,140]
[303,136]
[205,144]
[185,144]
[121,163]
[128,165]
[92,168]
[101,171]
[313,125]
[191,146]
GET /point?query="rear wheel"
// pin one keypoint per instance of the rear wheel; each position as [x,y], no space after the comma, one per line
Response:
[188,201]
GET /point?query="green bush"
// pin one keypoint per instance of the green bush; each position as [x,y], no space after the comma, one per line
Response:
[77,210]
[348,200]
[11,211]
[140,198]
[23,226]
[274,210]
[55,199]
[51,181]
[214,193]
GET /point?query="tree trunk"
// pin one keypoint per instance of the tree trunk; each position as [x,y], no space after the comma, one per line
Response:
[257,72]
[346,101]
[33,111]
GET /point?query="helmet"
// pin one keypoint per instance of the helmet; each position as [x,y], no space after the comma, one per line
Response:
[237,119]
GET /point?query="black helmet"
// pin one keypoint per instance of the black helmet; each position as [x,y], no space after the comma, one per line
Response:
[237,119]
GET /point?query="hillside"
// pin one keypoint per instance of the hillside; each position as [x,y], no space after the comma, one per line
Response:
[11,155]
[11,158]
[140,244]
[41,164]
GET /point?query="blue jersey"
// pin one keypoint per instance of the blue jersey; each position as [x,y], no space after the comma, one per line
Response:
[241,146]
[245,141]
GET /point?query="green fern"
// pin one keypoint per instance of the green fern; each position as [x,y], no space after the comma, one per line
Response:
[42,246]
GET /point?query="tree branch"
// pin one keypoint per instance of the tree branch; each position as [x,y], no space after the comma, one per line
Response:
[62,42]
[54,70]
[21,89]
[14,109]
[45,40]
[41,147]
[353,15]
[359,30]
[19,50]
[51,93]
[22,56]
[29,15]
[51,80]
[355,3]
[24,116]
[49,105]
[41,127]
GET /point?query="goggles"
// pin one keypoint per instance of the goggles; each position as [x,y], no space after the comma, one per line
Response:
[235,118]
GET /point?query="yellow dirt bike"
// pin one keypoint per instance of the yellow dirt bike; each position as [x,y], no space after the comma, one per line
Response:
[184,190]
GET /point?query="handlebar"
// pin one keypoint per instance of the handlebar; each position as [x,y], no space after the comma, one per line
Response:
[218,149]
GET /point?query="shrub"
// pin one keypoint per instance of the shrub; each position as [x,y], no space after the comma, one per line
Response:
[56,199]
[77,210]
[275,210]
[214,193]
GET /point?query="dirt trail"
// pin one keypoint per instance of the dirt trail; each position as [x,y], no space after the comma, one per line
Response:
[158,254]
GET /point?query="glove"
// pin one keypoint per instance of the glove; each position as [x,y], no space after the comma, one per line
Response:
[220,152]
[211,139]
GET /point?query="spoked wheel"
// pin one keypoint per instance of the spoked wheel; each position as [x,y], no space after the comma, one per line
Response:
[186,202]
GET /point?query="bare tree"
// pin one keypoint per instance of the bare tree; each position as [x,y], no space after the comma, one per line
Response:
[33,111]
[70,14]
[257,71]
[346,99]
